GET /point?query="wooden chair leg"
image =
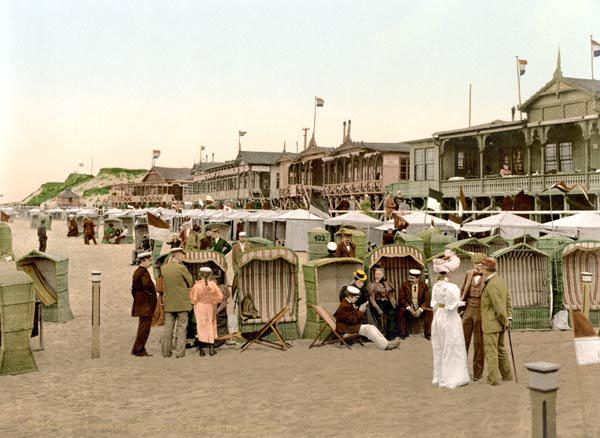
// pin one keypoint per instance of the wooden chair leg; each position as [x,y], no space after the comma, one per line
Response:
[318,336]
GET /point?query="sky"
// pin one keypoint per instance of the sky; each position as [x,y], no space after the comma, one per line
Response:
[113,80]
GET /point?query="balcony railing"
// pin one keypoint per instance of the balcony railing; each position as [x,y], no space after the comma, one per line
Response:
[352,188]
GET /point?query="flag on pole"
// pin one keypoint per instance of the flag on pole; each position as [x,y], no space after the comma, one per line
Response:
[202,148]
[242,133]
[318,205]
[319,101]
[564,188]
[587,341]
[158,229]
[595,48]
[155,153]
[463,204]
[522,66]
[80,164]
[434,200]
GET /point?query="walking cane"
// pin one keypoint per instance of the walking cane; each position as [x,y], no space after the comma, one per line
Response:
[512,354]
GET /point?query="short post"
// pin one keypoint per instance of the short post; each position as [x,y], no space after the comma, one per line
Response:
[586,281]
[96,279]
[543,385]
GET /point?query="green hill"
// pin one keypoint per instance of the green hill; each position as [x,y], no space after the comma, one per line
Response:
[50,190]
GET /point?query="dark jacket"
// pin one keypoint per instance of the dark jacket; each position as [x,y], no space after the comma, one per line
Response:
[221,246]
[41,232]
[423,297]
[342,251]
[144,293]
[348,318]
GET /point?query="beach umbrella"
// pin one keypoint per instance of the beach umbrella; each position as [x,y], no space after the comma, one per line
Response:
[355,218]
[584,225]
[510,225]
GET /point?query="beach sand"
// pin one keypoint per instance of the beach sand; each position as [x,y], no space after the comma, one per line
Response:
[324,392]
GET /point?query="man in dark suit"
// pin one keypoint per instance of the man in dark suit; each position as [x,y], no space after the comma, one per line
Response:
[349,321]
[414,303]
[144,303]
[219,244]
[42,236]
[346,248]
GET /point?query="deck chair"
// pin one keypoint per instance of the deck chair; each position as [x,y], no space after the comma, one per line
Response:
[267,329]
[334,336]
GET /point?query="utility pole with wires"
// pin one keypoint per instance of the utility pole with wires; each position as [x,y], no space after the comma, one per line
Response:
[305,136]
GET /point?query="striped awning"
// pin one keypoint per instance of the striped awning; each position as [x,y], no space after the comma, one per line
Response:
[395,251]
[526,274]
[581,257]
[206,255]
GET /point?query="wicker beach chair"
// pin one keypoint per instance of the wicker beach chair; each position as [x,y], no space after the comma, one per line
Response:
[334,336]
[259,336]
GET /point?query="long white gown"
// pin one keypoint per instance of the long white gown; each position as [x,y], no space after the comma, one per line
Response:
[447,338]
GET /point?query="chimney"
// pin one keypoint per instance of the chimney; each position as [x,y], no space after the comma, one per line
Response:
[344,136]
[213,157]
[349,127]
[284,146]
[512,112]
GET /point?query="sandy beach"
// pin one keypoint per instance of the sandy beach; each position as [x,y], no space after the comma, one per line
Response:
[324,392]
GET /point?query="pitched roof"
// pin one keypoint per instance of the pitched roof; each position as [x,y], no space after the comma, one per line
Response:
[379,147]
[174,173]
[494,124]
[199,167]
[591,85]
[69,194]
[256,157]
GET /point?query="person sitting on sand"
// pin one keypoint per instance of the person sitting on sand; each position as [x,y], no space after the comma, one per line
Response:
[73,228]
[349,321]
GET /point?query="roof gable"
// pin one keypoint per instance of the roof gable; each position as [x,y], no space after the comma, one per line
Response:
[172,173]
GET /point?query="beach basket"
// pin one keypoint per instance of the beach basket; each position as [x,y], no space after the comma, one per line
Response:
[5,241]
[318,238]
[495,243]
[17,301]
[406,239]
[50,275]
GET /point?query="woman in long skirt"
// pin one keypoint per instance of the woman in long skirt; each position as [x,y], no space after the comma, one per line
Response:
[447,338]
[205,296]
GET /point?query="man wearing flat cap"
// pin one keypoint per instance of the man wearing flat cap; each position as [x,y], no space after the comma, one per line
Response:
[349,318]
[414,304]
[496,316]
[346,248]
[239,248]
[177,283]
[471,318]
[144,303]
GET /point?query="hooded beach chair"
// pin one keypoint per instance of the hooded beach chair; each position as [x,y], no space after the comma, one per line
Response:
[334,336]
[270,328]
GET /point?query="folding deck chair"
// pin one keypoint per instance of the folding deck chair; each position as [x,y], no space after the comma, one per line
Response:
[330,323]
[267,329]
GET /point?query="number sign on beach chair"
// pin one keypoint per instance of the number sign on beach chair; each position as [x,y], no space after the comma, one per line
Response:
[330,323]
[270,327]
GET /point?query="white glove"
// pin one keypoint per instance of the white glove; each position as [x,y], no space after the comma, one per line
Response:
[418,312]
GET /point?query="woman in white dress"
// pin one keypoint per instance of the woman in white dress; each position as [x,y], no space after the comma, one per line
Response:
[447,338]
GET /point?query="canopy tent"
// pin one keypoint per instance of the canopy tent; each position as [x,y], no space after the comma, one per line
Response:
[420,221]
[323,280]
[292,227]
[509,224]
[577,257]
[584,226]
[528,275]
[396,260]
[354,218]
[269,276]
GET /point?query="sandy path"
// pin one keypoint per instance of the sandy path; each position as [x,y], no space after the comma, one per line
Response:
[324,392]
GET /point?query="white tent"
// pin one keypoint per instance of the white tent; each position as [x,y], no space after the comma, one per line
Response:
[356,218]
[266,224]
[292,228]
[584,226]
[510,225]
[420,221]
[252,221]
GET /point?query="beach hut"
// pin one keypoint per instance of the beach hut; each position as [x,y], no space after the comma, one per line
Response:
[292,226]
[194,260]
[551,243]
[56,213]
[323,280]
[140,228]
[525,238]
[17,304]
[495,242]
[396,260]
[318,238]
[266,224]
[577,257]
[358,237]
[92,215]
[6,249]
[7,214]
[128,221]
[528,274]
[509,225]
[50,276]
[115,224]
[403,238]
[269,276]
[259,242]
[36,219]
[583,226]
[252,221]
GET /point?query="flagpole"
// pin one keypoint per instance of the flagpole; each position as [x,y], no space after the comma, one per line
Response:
[470,105]
[315,117]
[592,53]
[519,88]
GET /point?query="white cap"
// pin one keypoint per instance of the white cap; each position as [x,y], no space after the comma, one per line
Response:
[331,246]
[242,234]
[414,272]
[144,255]
[205,270]
[353,290]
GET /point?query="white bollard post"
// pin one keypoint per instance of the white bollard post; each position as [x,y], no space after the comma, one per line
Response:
[96,279]
[543,385]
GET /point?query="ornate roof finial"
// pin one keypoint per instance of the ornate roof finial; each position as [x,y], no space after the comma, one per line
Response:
[284,151]
[348,139]
[312,142]
[558,71]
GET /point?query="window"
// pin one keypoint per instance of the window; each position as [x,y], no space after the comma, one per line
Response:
[277,180]
[460,160]
[424,164]
[404,169]
[518,162]
[559,158]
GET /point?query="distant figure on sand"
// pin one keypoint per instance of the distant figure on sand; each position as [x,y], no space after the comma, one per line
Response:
[42,236]
[144,303]
[447,338]
[88,231]
[73,228]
